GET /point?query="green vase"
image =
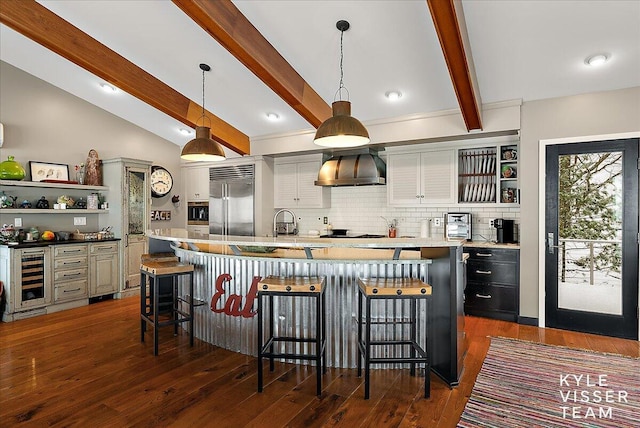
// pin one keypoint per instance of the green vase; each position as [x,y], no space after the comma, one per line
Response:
[11,170]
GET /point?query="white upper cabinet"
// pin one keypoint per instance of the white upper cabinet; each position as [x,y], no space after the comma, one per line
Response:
[293,183]
[197,181]
[415,179]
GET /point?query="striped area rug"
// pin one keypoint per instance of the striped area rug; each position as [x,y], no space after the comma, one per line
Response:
[525,384]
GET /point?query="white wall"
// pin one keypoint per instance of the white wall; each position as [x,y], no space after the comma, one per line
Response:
[599,113]
[43,123]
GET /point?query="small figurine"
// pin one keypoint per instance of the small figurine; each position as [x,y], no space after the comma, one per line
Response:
[42,203]
[7,201]
[93,173]
[25,204]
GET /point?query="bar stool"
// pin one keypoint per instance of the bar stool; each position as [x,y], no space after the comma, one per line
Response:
[381,289]
[308,287]
[158,257]
[156,269]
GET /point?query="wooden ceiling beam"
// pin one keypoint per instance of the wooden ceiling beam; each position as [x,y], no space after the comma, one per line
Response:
[448,19]
[46,28]
[225,23]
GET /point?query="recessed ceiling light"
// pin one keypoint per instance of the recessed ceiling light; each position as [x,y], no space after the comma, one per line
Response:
[596,60]
[393,95]
[107,87]
[273,116]
[185,131]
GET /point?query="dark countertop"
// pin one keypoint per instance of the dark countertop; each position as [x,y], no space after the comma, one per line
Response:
[47,243]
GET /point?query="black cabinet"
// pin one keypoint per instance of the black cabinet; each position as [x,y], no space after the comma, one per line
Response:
[493,287]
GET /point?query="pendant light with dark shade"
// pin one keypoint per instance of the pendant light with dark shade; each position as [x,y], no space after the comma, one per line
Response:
[203,148]
[341,129]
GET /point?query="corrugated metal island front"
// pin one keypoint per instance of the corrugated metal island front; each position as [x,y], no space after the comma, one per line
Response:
[226,284]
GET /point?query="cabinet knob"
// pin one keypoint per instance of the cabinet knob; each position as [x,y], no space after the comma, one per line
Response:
[418,196]
[422,196]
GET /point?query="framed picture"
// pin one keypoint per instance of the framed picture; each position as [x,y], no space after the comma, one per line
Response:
[41,171]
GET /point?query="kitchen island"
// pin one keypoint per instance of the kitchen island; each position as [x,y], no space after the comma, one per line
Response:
[227,269]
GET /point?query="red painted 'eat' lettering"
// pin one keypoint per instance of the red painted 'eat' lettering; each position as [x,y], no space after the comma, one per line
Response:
[233,305]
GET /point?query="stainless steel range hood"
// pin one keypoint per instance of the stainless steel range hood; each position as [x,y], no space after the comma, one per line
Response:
[363,168]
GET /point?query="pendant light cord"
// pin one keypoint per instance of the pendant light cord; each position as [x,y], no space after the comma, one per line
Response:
[203,93]
[341,58]
[204,67]
[341,86]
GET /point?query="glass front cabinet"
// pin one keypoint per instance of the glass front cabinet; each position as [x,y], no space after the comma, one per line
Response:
[132,218]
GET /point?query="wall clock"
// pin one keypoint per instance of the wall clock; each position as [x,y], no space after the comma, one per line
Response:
[161,181]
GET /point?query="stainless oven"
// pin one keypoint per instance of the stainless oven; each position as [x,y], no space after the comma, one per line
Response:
[198,213]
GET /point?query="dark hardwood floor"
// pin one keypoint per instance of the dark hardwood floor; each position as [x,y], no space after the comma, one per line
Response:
[86,367]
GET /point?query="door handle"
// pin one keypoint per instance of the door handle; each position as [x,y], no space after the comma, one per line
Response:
[550,243]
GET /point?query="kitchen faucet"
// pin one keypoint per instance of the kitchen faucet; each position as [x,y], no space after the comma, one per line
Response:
[275,216]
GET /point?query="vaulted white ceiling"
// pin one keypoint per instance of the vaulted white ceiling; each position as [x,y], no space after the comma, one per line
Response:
[521,50]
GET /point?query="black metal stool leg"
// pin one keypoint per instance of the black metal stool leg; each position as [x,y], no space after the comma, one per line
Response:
[260,341]
[413,326]
[156,305]
[359,333]
[143,305]
[174,302]
[367,348]
[271,328]
[324,332]
[427,366]
[191,311]
[318,344]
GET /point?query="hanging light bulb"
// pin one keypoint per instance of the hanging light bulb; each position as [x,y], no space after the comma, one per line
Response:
[203,148]
[341,129]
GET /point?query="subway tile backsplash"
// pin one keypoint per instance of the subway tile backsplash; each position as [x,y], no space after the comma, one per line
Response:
[360,209]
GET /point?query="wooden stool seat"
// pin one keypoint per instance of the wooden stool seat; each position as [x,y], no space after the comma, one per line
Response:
[292,284]
[289,288]
[165,267]
[386,290]
[163,271]
[394,286]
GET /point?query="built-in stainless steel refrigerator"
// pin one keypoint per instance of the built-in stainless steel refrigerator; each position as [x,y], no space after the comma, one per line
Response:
[231,200]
